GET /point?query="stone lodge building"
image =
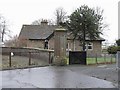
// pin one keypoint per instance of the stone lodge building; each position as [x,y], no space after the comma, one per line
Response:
[42,36]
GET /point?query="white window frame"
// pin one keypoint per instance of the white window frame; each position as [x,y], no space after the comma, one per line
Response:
[68,47]
[87,45]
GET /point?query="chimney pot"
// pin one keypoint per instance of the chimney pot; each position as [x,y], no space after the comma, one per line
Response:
[44,22]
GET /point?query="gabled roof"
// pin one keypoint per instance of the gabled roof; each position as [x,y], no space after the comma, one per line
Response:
[97,39]
[42,32]
[37,31]
[71,37]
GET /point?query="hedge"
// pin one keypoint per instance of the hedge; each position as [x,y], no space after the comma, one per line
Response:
[113,49]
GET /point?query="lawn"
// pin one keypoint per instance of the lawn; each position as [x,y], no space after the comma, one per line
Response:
[100,60]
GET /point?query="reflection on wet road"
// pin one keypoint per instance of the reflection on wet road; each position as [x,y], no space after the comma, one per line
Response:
[50,77]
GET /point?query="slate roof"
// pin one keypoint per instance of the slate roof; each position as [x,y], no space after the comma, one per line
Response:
[71,37]
[97,39]
[42,32]
[37,31]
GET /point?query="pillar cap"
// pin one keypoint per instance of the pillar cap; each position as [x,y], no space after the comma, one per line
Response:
[60,28]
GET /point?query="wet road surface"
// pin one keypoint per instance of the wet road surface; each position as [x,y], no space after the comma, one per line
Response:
[106,72]
[50,77]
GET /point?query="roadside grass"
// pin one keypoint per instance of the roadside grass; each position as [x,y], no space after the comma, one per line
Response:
[100,60]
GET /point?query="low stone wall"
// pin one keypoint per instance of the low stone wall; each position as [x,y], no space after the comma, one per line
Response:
[35,53]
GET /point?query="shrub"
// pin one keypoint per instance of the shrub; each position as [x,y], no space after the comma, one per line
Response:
[60,61]
[112,49]
[63,61]
[118,49]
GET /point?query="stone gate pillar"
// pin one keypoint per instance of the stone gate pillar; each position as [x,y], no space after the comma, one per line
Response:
[118,67]
[118,59]
[60,37]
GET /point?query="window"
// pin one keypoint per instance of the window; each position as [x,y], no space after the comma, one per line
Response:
[89,46]
[46,44]
[68,47]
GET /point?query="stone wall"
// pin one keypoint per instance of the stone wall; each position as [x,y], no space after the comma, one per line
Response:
[36,53]
[118,59]
[36,43]
[97,49]
[118,67]
[51,43]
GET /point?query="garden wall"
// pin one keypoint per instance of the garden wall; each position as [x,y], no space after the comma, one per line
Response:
[36,53]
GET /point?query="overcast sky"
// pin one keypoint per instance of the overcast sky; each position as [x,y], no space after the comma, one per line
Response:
[19,12]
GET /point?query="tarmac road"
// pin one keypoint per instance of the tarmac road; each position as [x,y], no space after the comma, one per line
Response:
[106,72]
[73,76]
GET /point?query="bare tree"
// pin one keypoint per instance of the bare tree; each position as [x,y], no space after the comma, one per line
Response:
[37,22]
[17,42]
[60,15]
[3,29]
[13,42]
[23,42]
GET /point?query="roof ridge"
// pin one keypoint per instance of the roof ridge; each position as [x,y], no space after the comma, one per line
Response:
[36,25]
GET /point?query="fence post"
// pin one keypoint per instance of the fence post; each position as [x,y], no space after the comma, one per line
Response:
[29,58]
[111,58]
[10,59]
[96,59]
[105,58]
[49,57]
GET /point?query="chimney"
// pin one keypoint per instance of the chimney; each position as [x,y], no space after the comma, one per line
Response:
[44,22]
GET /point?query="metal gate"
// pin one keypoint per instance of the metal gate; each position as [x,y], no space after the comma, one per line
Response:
[77,57]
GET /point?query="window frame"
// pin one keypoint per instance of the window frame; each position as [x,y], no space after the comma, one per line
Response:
[88,44]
